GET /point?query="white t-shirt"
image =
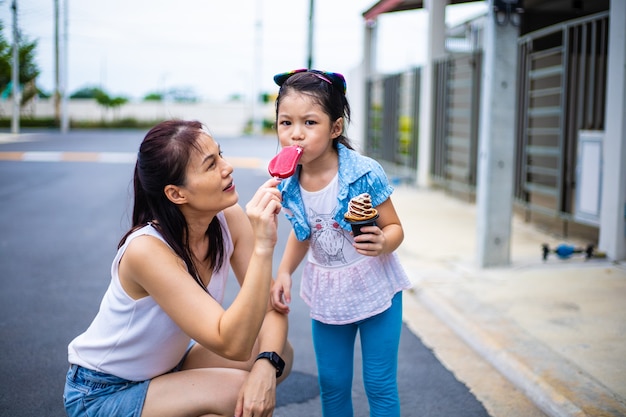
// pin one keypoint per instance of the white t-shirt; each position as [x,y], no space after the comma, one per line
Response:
[330,246]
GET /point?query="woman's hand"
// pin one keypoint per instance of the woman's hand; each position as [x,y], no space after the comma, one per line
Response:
[262,210]
[257,396]
[281,293]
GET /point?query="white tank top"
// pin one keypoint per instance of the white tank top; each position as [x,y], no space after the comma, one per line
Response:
[135,339]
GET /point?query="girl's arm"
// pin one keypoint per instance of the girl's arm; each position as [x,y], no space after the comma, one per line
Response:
[383,238]
[295,251]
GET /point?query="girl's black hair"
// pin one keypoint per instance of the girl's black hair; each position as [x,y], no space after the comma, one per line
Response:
[162,160]
[325,93]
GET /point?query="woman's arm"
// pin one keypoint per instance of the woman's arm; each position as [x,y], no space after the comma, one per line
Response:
[273,334]
[259,390]
[151,265]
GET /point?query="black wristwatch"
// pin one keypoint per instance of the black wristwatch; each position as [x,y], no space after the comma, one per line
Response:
[275,360]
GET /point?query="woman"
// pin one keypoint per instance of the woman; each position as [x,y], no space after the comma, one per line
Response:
[161,343]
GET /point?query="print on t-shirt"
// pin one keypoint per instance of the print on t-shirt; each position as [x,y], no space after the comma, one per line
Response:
[327,239]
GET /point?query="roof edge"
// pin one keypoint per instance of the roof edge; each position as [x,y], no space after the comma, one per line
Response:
[381,7]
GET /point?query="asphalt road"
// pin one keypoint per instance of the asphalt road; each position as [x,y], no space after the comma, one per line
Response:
[65,201]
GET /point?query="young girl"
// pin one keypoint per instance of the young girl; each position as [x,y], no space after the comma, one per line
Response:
[350,283]
[167,283]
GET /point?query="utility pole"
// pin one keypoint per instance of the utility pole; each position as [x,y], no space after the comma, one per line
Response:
[310,40]
[15,121]
[57,93]
[257,70]
[65,122]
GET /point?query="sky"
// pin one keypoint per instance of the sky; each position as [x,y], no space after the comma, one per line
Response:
[214,48]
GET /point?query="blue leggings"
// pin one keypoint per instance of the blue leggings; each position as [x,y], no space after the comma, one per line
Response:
[334,350]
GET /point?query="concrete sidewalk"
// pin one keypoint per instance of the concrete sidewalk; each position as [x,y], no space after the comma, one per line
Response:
[556,329]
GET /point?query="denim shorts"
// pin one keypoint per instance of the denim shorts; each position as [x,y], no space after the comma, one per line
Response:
[92,393]
[96,394]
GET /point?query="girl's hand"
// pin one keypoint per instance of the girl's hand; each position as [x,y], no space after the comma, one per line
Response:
[262,210]
[371,242]
[281,293]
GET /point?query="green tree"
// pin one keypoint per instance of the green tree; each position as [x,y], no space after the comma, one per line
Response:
[85,92]
[5,61]
[107,101]
[28,70]
[101,97]
[153,97]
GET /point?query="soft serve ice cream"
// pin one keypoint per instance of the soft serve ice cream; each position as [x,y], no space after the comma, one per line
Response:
[360,209]
[360,213]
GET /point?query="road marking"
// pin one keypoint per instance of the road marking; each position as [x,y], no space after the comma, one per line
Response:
[11,156]
[105,157]
[42,156]
[15,137]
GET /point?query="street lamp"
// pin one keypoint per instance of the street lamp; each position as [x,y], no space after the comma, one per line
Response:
[310,39]
[508,11]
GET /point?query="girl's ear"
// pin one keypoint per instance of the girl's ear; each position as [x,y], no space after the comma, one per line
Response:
[337,128]
[174,194]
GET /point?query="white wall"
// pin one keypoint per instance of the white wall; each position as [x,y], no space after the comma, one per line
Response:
[221,118]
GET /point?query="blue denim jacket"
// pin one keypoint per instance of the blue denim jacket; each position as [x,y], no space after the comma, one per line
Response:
[357,174]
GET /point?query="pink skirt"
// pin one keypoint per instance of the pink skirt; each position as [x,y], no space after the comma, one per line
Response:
[354,292]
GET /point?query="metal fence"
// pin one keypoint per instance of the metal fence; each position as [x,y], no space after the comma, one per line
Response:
[393,122]
[455,126]
[561,93]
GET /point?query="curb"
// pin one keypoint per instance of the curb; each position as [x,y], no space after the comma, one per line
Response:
[557,386]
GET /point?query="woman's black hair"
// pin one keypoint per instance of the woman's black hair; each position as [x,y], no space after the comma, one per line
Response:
[162,160]
[332,99]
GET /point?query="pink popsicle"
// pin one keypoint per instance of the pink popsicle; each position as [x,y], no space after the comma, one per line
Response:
[284,164]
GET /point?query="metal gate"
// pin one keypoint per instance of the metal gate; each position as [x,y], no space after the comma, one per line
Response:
[562,91]
[456,105]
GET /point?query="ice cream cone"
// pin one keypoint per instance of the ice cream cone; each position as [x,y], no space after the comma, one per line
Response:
[357,225]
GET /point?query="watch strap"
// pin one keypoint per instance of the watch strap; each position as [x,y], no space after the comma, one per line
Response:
[275,360]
